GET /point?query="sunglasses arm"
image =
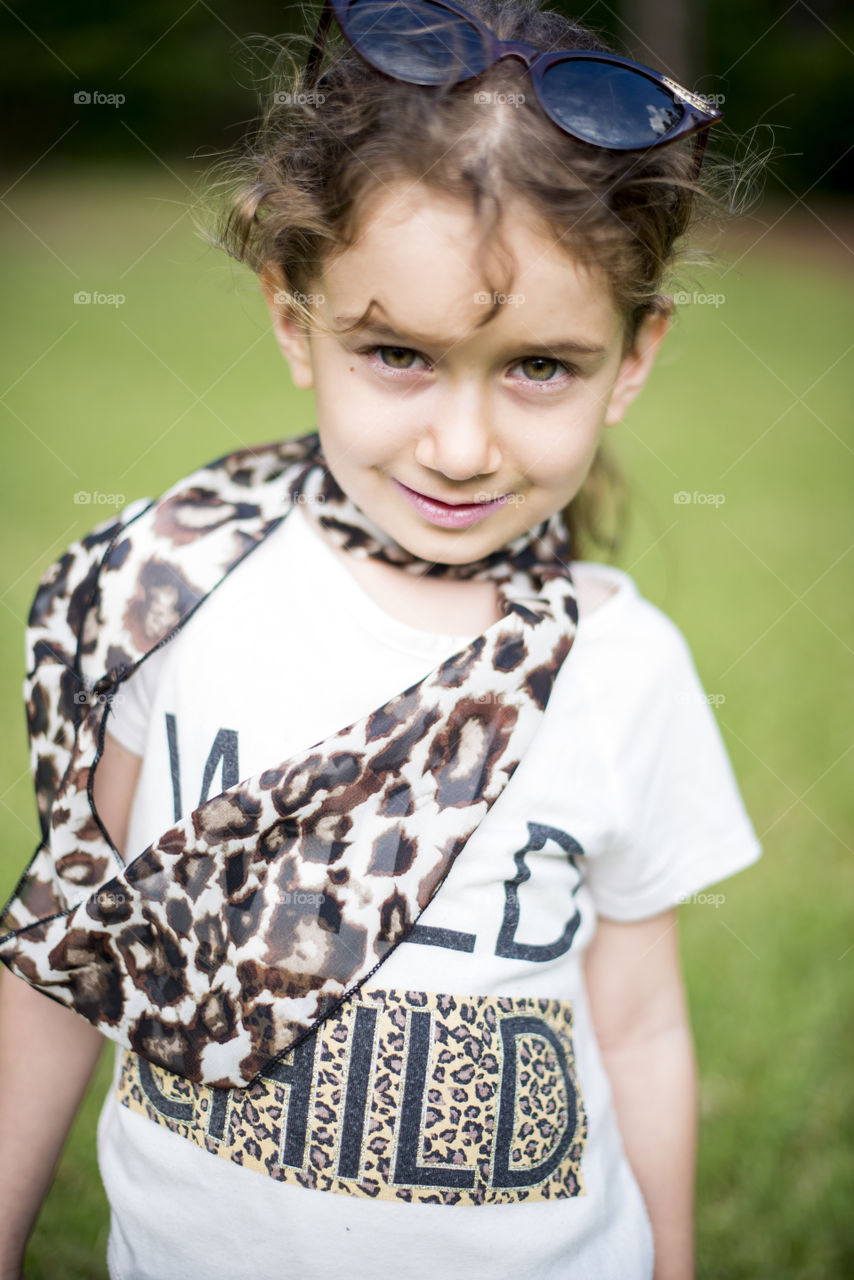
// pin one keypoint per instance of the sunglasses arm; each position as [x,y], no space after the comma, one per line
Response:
[700,144]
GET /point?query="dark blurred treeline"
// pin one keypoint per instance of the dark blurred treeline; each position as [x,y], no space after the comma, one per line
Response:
[181,79]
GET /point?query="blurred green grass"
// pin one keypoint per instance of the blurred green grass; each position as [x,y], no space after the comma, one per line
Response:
[750,400]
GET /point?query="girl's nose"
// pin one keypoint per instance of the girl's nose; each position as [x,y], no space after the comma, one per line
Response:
[460,441]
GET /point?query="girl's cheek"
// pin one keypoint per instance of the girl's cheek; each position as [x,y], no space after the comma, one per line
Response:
[564,463]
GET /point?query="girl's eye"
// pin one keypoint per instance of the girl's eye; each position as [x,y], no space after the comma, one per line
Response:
[538,370]
[397,358]
[542,368]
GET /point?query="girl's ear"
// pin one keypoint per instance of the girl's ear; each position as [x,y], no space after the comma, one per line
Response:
[290,334]
[637,363]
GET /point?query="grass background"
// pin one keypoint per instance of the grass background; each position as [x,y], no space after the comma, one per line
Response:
[750,400]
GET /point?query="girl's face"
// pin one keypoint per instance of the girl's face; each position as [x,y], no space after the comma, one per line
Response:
[455,439]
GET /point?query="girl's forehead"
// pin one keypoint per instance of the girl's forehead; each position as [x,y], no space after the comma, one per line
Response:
[424,261]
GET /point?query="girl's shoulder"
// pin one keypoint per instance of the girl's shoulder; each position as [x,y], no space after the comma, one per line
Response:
[628,641]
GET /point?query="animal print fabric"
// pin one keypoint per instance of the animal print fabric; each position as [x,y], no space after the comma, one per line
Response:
[215,950]
[400,1095]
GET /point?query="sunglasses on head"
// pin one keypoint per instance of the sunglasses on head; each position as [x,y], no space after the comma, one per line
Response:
[597,98]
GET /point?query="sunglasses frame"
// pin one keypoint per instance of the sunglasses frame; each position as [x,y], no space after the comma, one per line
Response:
[698,114]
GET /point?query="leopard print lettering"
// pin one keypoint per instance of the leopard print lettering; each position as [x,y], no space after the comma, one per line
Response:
[401,1095]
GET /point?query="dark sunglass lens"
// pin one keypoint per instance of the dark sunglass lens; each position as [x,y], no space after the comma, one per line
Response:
[415,40]
[607,105]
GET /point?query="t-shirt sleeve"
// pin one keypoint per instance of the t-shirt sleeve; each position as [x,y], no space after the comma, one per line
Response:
[682,823]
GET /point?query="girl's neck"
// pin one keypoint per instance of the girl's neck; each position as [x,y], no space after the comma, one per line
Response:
[448,606]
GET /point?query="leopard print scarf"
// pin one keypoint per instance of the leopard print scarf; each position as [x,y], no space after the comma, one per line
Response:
[200,953]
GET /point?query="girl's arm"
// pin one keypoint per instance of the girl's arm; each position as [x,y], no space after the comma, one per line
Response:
[47,1057]
[637,1003]
[48,1054]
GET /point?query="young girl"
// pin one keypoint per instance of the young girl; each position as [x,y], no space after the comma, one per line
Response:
[367,803]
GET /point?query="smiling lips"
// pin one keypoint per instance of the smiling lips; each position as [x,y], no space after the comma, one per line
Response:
[447,515]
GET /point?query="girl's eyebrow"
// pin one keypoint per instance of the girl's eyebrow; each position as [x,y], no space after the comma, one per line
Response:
[379,328]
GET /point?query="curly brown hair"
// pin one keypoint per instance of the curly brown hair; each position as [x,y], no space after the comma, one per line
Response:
[298,186]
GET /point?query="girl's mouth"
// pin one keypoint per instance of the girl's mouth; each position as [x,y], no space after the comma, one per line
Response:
[447,515]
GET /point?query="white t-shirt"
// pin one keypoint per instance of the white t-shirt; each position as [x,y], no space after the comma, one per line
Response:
[454,1117]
